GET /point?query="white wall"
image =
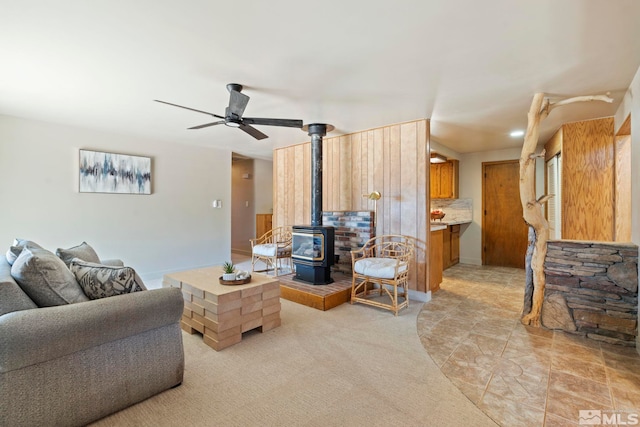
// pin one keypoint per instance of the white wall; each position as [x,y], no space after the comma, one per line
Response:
[174,228]
[471,187]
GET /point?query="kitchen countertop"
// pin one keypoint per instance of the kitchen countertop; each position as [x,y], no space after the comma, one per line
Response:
[441,225]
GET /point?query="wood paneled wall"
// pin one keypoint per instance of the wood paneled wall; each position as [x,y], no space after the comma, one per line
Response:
[588,180]
[392,160]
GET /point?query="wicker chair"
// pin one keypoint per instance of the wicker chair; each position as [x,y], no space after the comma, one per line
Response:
[380,267]
[271,248]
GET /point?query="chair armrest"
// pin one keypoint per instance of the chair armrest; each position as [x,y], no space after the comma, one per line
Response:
[33,336]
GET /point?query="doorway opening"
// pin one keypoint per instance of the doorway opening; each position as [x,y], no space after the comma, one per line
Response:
[504,232]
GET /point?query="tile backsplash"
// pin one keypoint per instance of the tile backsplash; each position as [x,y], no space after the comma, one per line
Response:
[456,210]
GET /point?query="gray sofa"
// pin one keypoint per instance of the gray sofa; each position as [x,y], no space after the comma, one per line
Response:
[71,364]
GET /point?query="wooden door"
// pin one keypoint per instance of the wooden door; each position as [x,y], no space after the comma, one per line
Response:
[504,232]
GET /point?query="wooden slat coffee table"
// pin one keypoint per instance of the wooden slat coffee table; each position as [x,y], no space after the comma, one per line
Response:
[221,313]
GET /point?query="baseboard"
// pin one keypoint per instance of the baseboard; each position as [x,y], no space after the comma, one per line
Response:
[419,296]
[472,261]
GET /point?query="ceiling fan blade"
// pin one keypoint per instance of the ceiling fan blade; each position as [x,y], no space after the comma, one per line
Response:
[253,131]
[237,102]
[187,108]
[208,124]
[273,122]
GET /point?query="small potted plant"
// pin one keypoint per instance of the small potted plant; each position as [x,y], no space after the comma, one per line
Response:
[229,271]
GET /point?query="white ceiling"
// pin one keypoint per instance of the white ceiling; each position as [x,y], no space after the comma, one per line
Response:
[470,66]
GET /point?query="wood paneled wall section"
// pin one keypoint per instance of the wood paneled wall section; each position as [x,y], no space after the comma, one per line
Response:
[588,180]
[623,188]
[553,146]
[392,160]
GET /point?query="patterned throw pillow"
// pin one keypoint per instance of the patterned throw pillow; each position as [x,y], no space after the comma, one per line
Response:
[101,281]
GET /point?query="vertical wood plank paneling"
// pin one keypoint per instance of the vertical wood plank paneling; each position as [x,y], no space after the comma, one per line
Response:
[326,177]
[371,164]
[335,174]
[356,171]
[280,190]
[345,173]
[408,180]
[588,180]
[378,173]
[298,185]
[364,168]
[395,195]
[422,206]
[623,189]
[384,222]
[290,178]
[391,159]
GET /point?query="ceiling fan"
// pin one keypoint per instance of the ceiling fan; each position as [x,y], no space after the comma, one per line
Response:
[233,115]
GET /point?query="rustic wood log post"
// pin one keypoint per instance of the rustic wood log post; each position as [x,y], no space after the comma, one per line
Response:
[531,207]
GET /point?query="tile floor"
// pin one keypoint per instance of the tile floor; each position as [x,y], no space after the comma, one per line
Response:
[518,375]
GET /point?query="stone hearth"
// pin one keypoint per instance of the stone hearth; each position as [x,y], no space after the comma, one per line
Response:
[592,289]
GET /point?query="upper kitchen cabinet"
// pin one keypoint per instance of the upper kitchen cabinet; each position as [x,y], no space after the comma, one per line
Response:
[444,180]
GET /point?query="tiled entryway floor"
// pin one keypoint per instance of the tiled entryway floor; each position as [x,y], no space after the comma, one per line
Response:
[519,375]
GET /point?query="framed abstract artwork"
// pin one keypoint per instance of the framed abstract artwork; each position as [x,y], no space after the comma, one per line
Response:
[114,173]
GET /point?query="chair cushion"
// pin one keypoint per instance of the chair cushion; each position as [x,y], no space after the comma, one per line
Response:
[270,249]
[384,268]
[101,281]
[82,251]
[44,277]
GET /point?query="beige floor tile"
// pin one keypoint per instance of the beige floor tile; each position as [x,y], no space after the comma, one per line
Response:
[470,373]
[517,374]
[625,398]
[580,387]
[623,379]
[507,412]
[568,363]
[567,338]
[568,405]
[528,386]
[551,420]
[586,354]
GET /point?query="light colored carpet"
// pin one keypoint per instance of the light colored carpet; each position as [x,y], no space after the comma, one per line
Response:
[353,365]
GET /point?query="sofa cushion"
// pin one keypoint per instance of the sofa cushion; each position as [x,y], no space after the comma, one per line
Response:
[83,251]
[44,277]
[101,281]
[18,244]
[12,297]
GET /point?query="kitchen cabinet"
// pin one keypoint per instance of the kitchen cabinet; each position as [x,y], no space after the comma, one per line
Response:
[264,223]
[435,260]
[443,178]
[450,246]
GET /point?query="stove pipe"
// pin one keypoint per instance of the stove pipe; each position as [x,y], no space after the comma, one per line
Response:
[316,132]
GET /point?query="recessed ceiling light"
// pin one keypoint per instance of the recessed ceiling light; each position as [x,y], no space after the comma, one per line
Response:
[517,133]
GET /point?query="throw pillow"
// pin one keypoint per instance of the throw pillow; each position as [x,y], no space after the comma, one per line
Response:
[16,248]
[44,277]
[101,281]
[82,251]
